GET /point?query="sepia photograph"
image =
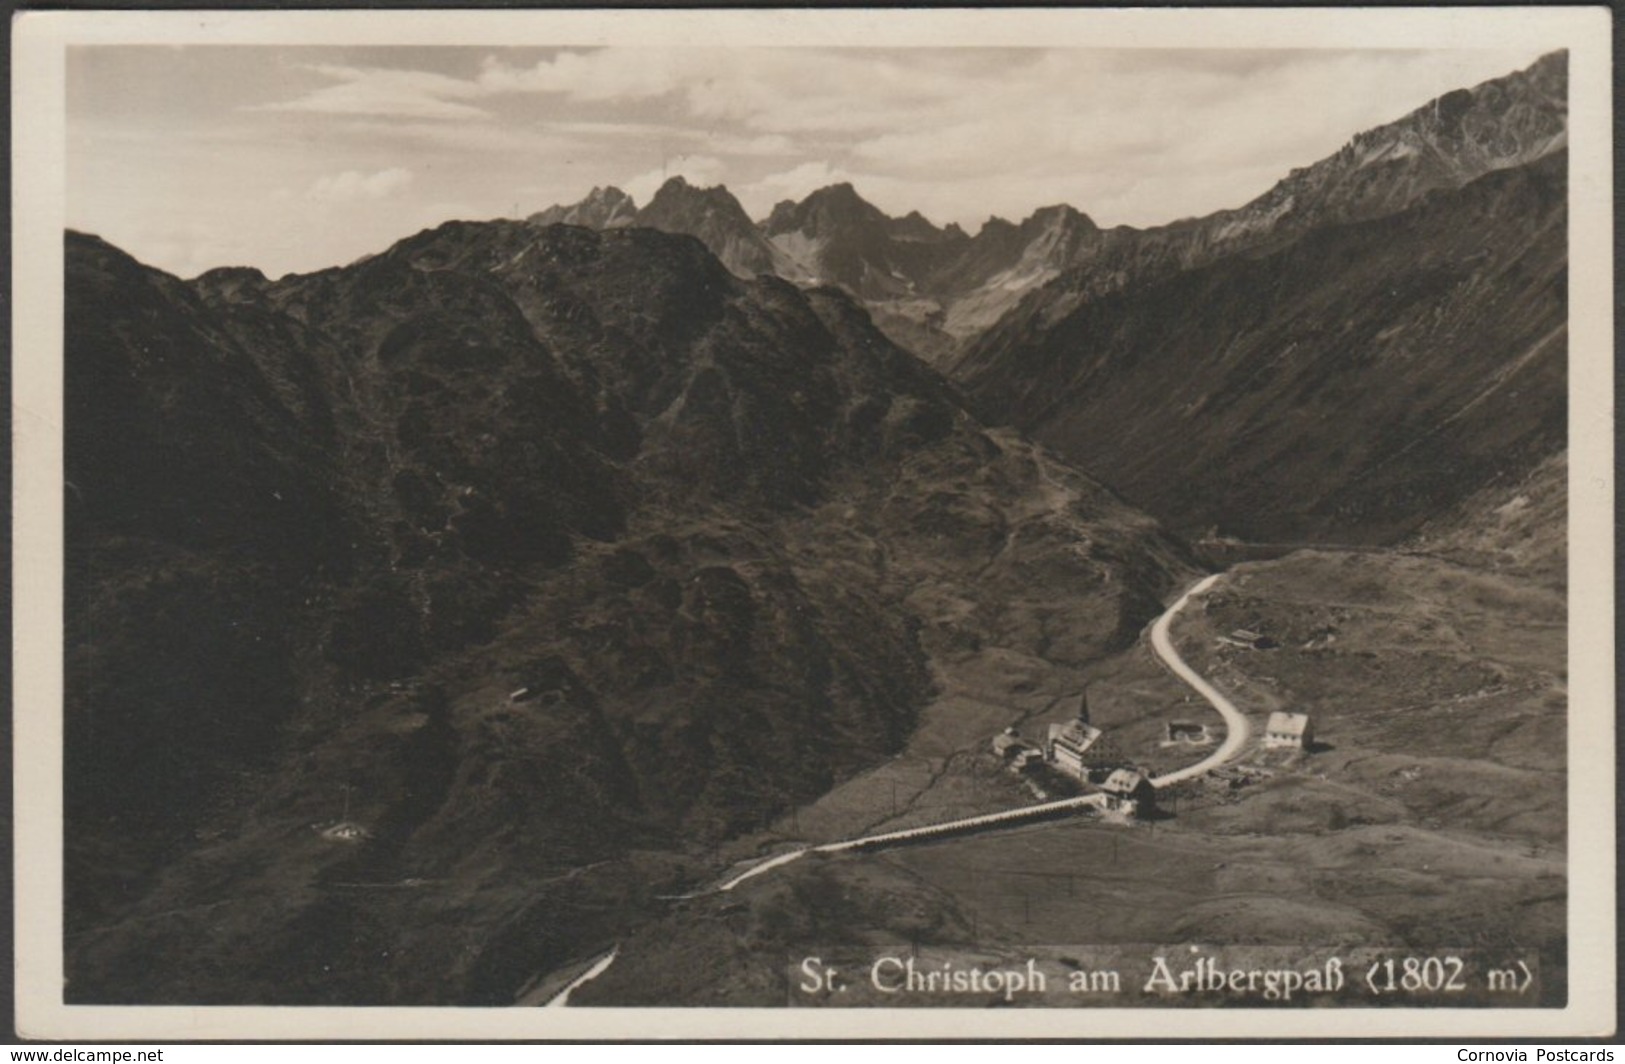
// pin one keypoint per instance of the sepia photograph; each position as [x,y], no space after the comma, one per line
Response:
[692,523]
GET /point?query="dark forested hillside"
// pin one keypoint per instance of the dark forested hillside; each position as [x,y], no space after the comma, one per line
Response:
[543,556]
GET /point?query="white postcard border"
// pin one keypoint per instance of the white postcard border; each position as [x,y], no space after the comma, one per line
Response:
[38,124]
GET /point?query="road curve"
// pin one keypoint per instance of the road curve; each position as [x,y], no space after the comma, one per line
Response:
[599,967]
[1237,732]
[758,869]
[1235,721]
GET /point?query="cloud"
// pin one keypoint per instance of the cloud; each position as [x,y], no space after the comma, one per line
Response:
[945,121]
[712,141]
[1135,136]
[355,185]
[763,144]
[771,91]
[382,91]
[702,170]
[792,90]
[440,211]
[461,140]
[185,247]
[605,74]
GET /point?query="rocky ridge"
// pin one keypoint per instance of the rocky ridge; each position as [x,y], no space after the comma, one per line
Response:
[937,290]
[1351,355]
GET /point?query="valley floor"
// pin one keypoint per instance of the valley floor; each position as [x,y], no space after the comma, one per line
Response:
[1428,814]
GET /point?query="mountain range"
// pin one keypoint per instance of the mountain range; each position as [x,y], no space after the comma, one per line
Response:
[1059,326]
[487,585]
[927,287]
[944,287]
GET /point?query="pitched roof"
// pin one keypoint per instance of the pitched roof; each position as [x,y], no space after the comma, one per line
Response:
[1123,781]
[1076,730]
[1287,723]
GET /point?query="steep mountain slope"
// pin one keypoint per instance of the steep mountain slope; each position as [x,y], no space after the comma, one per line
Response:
[1516,526]
[840,238]
[718,221]
[1004,262]
[1062,259]
[542,558]
[1348,356]
[201,494]
[929,289]
[936,290]
[1447,143]
[711,215]
[1344,388]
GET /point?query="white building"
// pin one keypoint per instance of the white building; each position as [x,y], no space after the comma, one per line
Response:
[1129,792]
[1067,744]
[1288,730]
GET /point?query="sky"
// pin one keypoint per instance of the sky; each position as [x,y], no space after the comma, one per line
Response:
[298,158]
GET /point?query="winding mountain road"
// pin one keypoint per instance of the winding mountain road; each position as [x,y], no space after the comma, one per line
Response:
[1237,732]
[599,967]
[1235,721]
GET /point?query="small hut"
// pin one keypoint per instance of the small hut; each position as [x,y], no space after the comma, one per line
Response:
[1186,731]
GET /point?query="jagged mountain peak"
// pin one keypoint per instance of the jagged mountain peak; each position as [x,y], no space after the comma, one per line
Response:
[678,189]
[714,216]
[1055,214]
[833,205]
[1504,123]
[840,190]
[1060,214]
[1446,143]
[916,226]
[933,288]
[602,208]
[710,214]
